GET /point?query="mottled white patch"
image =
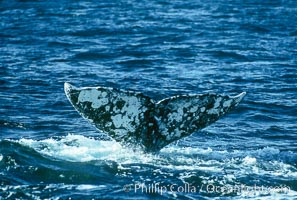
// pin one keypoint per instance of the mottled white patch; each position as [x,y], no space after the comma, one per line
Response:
[116,110]
[227,103]
[104,94]
[202,109]
[93,96]
[132,106]
[132,109]
[99,103]
[168,137]
[129,112]
[126,123]
[180,113]
[117,120]
[217,103]
[175,116]
[213,111]
[136,120]
[120,133]
[88,95]
[177,134]
[186,105]
[107,108]
[193,109]
[163,127]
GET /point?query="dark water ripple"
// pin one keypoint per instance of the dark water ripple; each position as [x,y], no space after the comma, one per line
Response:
[160,48]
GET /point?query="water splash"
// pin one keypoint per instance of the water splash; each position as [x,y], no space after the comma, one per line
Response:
[91,158]
[78,148]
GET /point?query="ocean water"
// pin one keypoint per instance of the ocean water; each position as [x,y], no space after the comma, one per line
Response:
[160,48]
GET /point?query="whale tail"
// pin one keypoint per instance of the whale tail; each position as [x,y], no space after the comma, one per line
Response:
[136,120]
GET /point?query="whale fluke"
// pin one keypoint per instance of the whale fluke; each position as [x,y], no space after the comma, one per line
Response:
[136,120]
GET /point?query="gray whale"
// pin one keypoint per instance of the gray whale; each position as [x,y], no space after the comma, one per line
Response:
[136,120]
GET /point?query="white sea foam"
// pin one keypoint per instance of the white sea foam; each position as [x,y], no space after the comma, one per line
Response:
[74,148]
[229,165]
[90,187]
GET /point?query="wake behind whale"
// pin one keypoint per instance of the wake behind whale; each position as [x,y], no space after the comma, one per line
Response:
[136,120]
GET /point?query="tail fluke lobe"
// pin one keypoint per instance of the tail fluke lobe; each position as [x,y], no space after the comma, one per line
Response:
[181,116]
[124,115]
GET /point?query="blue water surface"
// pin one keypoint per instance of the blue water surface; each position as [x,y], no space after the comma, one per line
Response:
[160,48]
